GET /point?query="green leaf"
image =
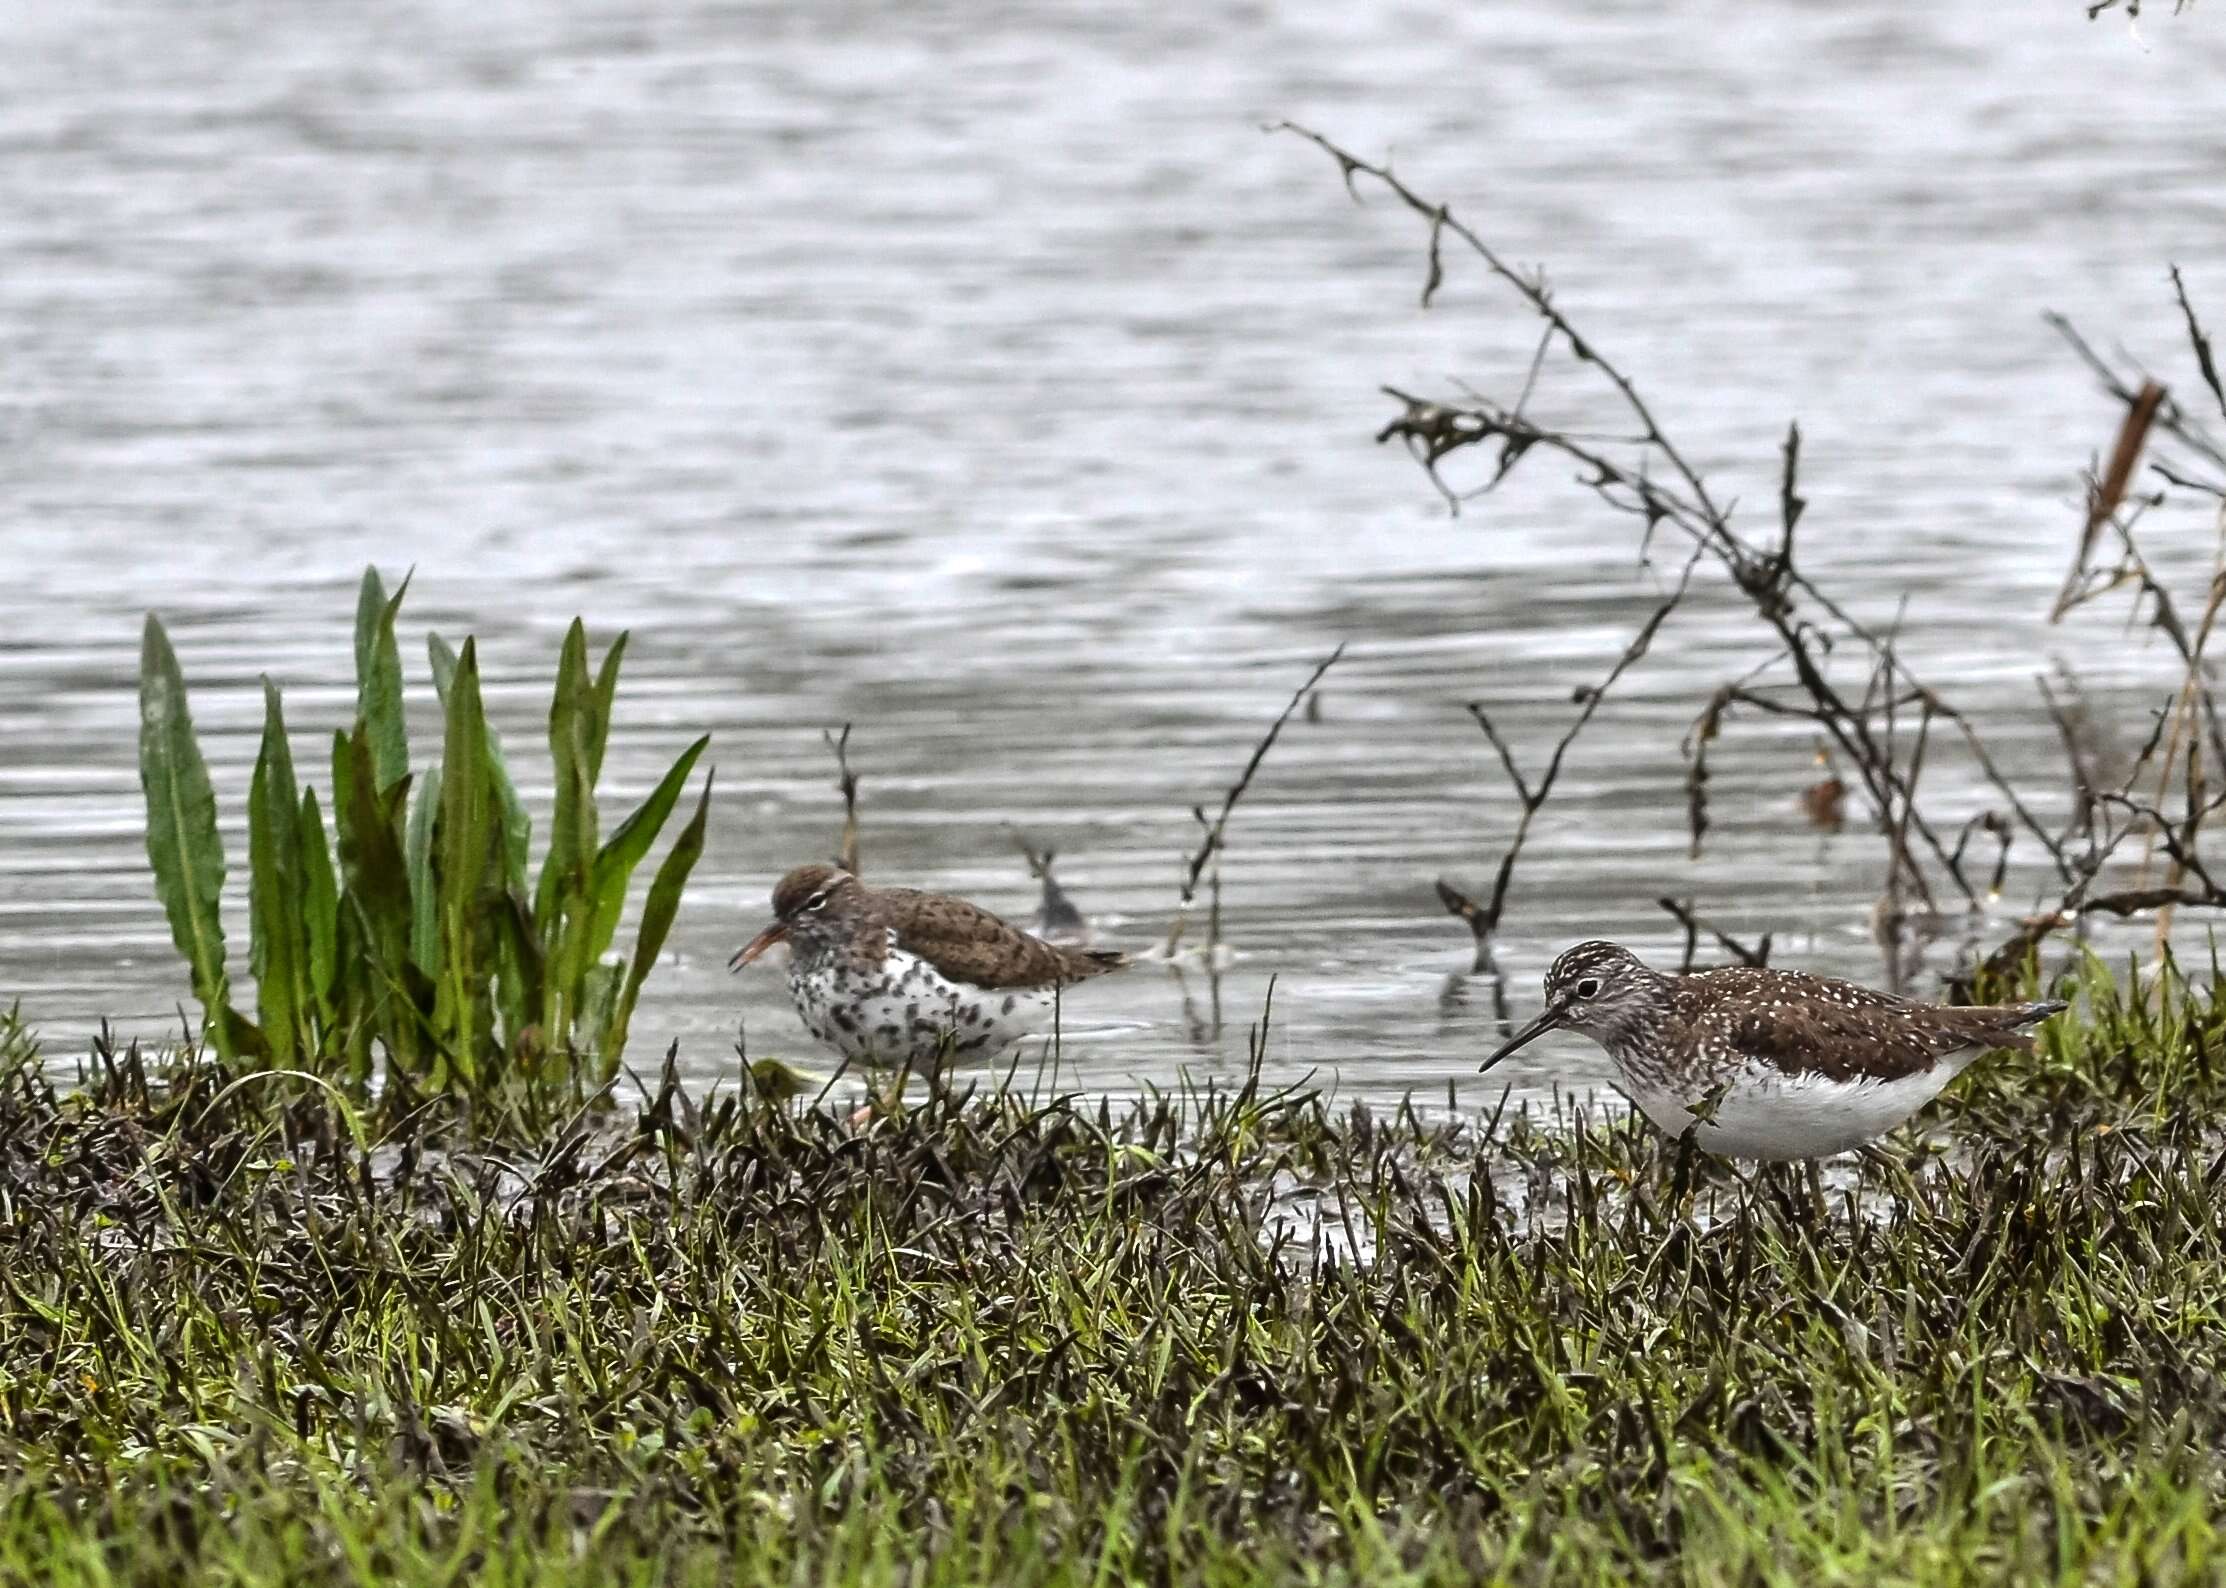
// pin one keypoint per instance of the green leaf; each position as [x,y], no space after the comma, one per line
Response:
[278,940]
[182,841]
[378,884]
[615,862]
[379,679]
[598,1005]
[606,691]
[518,967]
[560,902]
[517,826]
[658,912]
[417,855]
[468,858]
[569,707]
[320,898]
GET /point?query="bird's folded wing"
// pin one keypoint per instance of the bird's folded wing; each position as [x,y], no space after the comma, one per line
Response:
[1877,1042]
[968,944]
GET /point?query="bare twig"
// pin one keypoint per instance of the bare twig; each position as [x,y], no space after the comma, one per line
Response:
[846,784]
[1818,639]
[1194,865]
[2109,491]
[1769,578]
[1533,798]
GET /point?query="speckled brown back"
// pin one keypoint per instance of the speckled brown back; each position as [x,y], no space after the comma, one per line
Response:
[1818,1025]
[968,944]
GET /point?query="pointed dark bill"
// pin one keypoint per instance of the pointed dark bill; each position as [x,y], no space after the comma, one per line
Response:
[776,933]
[1549,1021]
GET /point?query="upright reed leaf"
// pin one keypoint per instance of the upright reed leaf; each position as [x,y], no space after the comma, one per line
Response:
[278,938]
[561,906]
[378,891]
[182,841]
[517,826]
[606,690]
[616,860]
[417,858]
[468,844]
[320,902]
[658,911]
[379,679]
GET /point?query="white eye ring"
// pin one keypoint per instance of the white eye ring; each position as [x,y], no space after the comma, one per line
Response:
[817,901]
[1589,987]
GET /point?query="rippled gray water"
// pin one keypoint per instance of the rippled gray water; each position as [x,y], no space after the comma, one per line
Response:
[983,376]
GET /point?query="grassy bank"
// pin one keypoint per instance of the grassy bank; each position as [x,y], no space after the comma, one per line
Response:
[1023,1340]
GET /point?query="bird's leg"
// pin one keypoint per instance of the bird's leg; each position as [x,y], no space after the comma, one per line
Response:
[883,1096]
[1681,1175]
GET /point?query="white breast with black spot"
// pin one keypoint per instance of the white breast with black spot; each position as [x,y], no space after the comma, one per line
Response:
[905,1011]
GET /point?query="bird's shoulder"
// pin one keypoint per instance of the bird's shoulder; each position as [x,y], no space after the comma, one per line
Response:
[1820,1025]
[967,943]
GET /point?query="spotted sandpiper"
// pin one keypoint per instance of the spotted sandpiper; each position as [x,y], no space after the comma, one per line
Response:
[1760,1063]
[894,976]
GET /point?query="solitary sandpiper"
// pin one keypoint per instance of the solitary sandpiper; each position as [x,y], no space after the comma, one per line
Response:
[894,976]
[1760,1063]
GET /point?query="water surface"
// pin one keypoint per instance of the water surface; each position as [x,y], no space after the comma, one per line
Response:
[983,376]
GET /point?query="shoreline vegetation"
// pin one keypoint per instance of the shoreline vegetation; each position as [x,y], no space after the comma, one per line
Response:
[254,1332]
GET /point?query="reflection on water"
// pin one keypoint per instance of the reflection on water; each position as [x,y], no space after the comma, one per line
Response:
[983,377]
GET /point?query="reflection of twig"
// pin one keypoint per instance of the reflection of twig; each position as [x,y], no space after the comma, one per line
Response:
[1471,915]
[1194,866]
[846,783]
[1057,918]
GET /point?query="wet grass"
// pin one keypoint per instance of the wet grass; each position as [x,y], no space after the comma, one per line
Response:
[996,1338]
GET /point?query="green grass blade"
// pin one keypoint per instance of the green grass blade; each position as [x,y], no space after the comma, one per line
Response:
[615,862]
[278,943]
[658,912]
[182,841]
[517,826]
[379,679]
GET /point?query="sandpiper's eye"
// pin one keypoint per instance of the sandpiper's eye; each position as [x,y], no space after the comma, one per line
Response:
[1589,987]
[817,901]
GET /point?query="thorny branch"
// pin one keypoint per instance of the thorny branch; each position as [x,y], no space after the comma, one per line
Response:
[1648,476]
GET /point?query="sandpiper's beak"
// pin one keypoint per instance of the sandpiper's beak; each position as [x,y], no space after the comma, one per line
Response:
[1549,1021]
[776,933]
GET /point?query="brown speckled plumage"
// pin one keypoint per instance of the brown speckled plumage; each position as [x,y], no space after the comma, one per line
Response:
[963,941]
[894,975]
[1789,1020]
[1770,1063]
